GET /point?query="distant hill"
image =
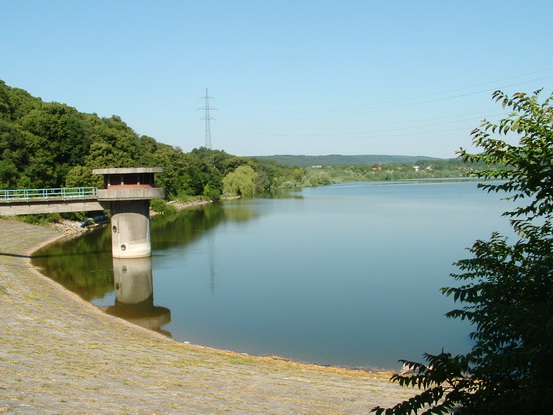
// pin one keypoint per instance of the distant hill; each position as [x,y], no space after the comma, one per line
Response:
[341,160]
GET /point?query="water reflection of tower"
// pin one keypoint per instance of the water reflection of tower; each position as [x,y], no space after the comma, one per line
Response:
[134,294]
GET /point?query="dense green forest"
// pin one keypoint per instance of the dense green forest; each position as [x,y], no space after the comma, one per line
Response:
[45,145]
[49,144]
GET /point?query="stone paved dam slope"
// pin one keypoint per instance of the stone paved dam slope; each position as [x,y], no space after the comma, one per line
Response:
[61,355]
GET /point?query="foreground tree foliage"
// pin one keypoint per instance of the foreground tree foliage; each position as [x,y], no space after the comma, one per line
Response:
[507,289]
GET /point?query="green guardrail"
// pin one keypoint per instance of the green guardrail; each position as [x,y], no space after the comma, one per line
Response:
[45,194]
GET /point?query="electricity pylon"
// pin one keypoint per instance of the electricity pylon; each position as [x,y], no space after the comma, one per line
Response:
[207,108]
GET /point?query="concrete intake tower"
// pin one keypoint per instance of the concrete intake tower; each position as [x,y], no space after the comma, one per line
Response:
[127,193]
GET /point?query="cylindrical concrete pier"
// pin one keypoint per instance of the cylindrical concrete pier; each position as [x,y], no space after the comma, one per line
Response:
[130,229]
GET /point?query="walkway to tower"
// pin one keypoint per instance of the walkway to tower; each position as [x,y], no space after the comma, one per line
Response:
[33,201]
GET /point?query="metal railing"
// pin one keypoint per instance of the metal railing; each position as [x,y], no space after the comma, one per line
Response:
[46,194]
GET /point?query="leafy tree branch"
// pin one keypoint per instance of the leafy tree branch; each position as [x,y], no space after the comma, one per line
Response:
[507,289]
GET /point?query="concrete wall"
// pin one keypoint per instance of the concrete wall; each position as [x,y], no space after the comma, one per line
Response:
[130,194]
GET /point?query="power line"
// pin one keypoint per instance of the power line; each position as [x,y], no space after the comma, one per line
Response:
[207,108]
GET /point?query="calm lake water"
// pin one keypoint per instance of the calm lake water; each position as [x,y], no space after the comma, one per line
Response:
[345,274]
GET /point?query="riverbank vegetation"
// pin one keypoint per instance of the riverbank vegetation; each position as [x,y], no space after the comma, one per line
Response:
[506,288]
[50,145]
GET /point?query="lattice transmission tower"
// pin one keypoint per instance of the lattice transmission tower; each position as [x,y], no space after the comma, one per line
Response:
[207,117]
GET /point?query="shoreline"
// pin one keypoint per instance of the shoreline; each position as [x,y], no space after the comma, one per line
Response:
[73,229]
[61,354]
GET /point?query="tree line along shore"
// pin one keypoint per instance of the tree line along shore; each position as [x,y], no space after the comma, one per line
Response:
[53,145]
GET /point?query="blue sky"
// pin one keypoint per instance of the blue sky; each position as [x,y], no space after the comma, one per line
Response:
[287,77]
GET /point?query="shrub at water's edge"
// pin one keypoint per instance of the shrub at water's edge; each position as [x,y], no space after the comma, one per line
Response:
[507,291]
